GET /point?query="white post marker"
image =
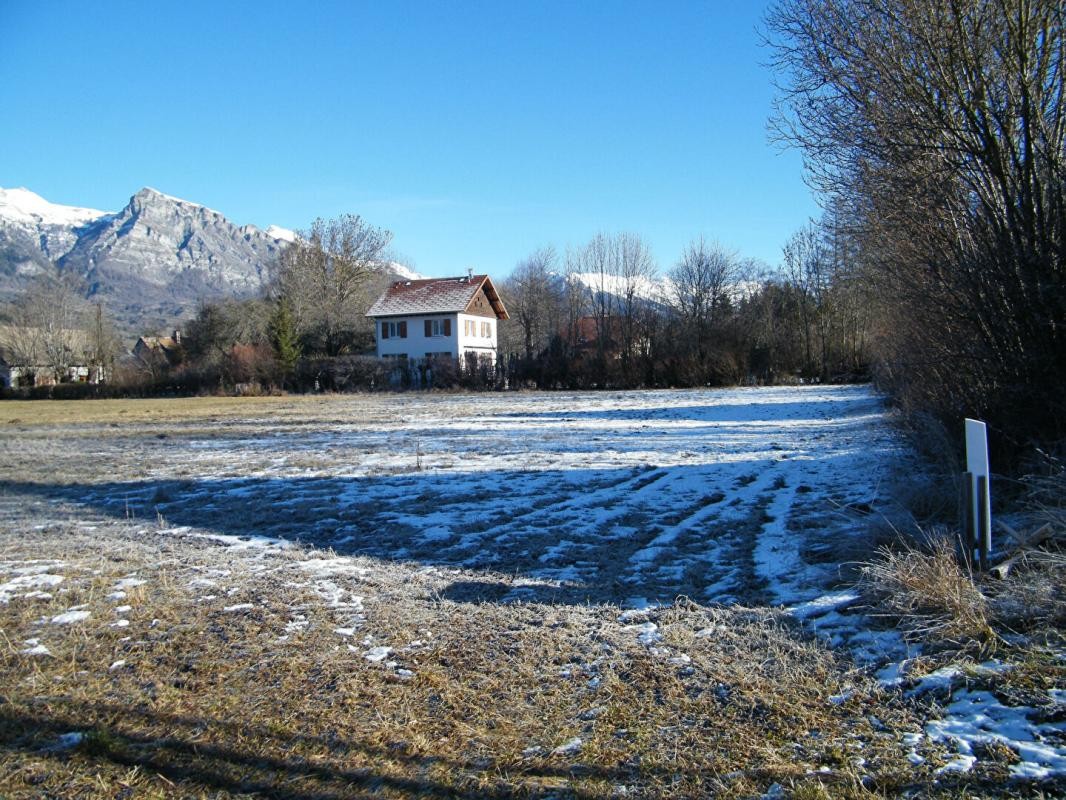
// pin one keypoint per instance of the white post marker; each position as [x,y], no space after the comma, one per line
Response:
[977,466]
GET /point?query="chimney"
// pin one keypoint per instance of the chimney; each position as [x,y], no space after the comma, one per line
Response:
[469,273]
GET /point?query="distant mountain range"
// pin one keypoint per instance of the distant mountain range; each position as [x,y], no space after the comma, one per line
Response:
[150,264]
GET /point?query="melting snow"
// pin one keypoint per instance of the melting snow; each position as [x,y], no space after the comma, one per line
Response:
[570,748]
[66,741]
[129,583]
[377,653]
[35,648]
[27,581]
[70,617]
[977,717]
[647,633]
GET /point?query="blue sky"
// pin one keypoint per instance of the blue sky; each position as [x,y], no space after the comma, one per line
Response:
[475,132]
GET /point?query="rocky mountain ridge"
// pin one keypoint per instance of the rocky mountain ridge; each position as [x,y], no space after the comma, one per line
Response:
[150,264]
[35,233]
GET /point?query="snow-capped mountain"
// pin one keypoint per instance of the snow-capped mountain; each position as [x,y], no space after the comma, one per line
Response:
[278,232]
[28,208]
[655,290]
[185,250]
[34,232]
[150,263]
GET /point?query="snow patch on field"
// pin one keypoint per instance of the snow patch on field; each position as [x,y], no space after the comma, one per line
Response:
[968,718]
[18,586]
[35,648]
[746,496]
[71,617]
[978,718]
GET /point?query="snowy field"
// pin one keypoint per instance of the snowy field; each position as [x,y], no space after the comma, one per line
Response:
[747,495]
[325,516]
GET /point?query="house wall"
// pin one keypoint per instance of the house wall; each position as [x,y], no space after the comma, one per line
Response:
[416,345]
[13,376]
[480,305]
[475,341]
[28,376]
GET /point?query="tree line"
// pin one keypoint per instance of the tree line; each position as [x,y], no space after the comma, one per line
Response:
[599,316]
[934,131]
[604,315]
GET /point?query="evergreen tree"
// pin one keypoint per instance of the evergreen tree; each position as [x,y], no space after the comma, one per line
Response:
[283,338]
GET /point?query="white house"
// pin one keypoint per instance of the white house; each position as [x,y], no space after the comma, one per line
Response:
[32,357]
[439,318]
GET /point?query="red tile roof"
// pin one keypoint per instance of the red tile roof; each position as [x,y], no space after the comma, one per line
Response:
[435,296]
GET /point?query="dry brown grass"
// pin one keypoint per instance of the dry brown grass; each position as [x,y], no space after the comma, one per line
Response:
[1032,600]
[214,703]
[53,412]
[931,595]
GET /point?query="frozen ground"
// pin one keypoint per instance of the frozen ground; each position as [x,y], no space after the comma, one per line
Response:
[755,496]
[748,495]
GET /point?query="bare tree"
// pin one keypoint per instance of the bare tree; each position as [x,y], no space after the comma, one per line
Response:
[535,299]
[599,262]
[48,326]
[700,288]
[577,295]
[806,271]
[323,277]
[637,271]
[103,342]
[616,273]
[942,125]
[703,279]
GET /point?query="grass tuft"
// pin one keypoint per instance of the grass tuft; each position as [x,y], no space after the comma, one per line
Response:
[930,594]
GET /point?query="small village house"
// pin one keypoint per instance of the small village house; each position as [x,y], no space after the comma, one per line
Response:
[439,318]
[153,353]
[592,334]
[35,357]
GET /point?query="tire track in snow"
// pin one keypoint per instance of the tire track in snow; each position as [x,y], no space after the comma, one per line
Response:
[556,514]
[699,549]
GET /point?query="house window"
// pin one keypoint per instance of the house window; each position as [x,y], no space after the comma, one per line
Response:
[469,327]
[438,327]
[394,330]
[486,330]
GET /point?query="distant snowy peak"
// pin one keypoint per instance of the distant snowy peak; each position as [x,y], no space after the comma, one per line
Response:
[151,263]
[28,208]
[149,191]
[278,232]
[153,198]
[655,290]
[167,242]
[660,289]
[404,273]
